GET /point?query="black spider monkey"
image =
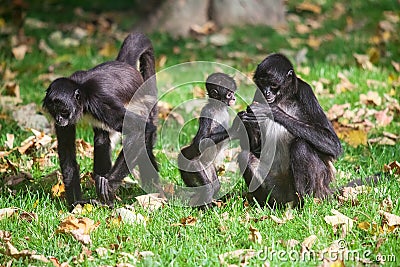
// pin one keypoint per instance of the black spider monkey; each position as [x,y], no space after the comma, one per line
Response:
[103,93]
[306,143]
[196,161]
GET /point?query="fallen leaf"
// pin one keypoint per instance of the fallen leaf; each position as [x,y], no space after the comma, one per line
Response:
[71,223]
[151,202]
[345,84]
[102,252]
[5,236]
[371,97]
[339,220]
[20,51]
[191,221]
[389,218]
[308,242]
[364,61]
[396,66]
[46,49]
[7,212]
[337,111]
[393,167]
[354,137]
[79,234]
[255,235]
[13,90]
[205,29]
[9,141]
[26,144]
[58,190]
[307,6]
[129,217]
[14,253]
[28,216]
[382,117]
[384,141]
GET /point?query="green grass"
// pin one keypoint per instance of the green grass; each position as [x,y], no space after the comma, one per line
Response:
[217,230]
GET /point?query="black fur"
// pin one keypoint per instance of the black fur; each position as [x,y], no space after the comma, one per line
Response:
[306,143]
[196,161]
[102,93]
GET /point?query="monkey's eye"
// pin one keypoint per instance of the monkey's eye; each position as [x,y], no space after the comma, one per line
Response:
[229,95]
[64,113]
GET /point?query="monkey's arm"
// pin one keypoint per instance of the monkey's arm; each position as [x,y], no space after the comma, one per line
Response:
[323,138]
[69,166]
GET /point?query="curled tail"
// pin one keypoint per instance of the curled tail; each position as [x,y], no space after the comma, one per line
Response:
[137,47]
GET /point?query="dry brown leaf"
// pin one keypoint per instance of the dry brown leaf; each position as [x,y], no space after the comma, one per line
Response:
[46,49]
[337,111]
[389,218]
[14,253]
[308,242]
[5,236]
[190,220]
[396,66]
[345,84]
[28,216]
[20,51]
[255,235]
[79,235]
[314,42]
[307,6]
[363,61]
[371,97]
[151,202]
[205,29]
[9,141]
[382,117]
[383,141]
[26,144]
[12,89]
[71,223]
[302,29]
[130,217]
[7,212]
[393,167]
[339,219]
[243,254]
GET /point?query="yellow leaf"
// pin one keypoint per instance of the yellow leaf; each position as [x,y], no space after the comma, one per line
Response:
[307,6]
[58,189]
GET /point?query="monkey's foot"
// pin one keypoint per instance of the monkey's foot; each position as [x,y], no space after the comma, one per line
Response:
[104,191]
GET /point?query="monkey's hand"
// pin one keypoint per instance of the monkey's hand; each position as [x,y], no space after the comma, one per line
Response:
[104,191]
[259,112]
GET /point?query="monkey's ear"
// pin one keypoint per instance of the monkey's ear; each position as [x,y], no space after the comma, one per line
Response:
[77,94]
[290,73]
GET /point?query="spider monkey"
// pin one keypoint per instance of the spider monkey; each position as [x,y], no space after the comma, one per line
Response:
[103,93]
[196,161]
[306,143]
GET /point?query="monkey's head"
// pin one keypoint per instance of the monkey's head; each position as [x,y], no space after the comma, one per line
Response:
[275,78]
[221,87]
[63,101]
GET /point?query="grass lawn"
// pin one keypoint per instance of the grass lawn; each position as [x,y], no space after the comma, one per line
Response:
[349,53]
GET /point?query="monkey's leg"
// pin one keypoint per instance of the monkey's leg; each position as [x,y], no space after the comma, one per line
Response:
[311,175]
[148,166]
[68,163]
[102,152]
[248,164]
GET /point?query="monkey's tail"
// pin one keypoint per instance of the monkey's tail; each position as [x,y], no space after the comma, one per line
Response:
[138,47]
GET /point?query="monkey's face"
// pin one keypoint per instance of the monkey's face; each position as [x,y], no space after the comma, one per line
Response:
[62,103]
[274,76]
